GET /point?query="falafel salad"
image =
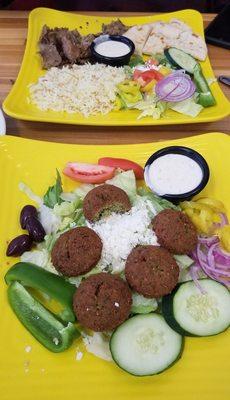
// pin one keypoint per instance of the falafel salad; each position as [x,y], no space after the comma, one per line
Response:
[119,267]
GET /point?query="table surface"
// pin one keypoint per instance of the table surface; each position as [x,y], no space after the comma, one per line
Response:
[13,32]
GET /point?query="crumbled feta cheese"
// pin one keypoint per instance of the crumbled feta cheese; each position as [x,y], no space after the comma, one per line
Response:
[116,304]
[79,355]
[120,233]
[98,345]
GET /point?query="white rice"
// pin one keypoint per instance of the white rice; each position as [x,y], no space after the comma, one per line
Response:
[87,89]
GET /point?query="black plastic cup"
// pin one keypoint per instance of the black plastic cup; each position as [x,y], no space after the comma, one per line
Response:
[113,61]
[185,151]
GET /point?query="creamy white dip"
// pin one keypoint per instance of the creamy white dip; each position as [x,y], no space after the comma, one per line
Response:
[112,48]
[173,174]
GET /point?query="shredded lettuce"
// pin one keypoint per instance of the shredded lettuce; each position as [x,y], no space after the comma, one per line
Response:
[183,261]
[50,241]
[187,107]
[125,180]
[142,305]
[158,203]
[151,107]
[25,189]
[49,220]
[82,190]
[68,196]
[185,275]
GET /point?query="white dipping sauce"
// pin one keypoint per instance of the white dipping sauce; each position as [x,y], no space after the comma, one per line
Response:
[112,48]
[173,174]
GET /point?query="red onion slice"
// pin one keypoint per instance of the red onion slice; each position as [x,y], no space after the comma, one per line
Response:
[208,240]
[175,87]
[213,261]
[195,277]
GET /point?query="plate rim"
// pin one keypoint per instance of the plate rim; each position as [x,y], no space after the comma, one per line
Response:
[6,105]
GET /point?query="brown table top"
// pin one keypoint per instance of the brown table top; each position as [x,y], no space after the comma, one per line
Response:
[13,32]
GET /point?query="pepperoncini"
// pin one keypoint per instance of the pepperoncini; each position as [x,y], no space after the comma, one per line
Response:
[130,91]
[204,213]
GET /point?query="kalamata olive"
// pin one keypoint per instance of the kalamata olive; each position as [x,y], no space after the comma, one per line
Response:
[35,229]
[19,245]
[27,211]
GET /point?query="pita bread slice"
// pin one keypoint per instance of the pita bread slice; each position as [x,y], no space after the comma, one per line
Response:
[180,25]
[191,44]
[155,44]
[138,34]
[160,37]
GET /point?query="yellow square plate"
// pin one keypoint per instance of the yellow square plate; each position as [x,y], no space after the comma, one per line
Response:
[17,105]
[203,371]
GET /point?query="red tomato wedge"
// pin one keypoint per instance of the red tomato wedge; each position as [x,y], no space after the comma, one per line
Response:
[88,173]
[148,75]
[124,164]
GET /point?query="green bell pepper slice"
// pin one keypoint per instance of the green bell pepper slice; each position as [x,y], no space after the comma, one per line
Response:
[55,286]
[43,325]
[206,98]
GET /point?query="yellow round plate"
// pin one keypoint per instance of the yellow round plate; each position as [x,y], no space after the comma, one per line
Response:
[17,105]
[203,371]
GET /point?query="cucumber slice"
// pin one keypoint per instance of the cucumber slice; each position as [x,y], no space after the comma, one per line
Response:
[179,59]
[145,345]
[191,313]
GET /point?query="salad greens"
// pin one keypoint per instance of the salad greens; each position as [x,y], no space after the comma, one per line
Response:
[52,196]
[158,202]
[136,60]
[68,213]
[188,107]
[142,305]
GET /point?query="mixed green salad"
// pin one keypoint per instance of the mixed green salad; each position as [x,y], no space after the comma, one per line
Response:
[173,80]
[152,338]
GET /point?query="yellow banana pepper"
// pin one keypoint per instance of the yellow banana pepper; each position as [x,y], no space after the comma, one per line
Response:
[130,91]
[149,86]
[165,71]
[224,236]
[204,214]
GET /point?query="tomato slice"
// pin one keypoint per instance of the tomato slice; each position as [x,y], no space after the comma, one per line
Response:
[88,173]
[124,164]
[148,75]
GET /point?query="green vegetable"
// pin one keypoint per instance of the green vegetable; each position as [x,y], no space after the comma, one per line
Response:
[129,93]
[187,107]
[206,98]
[183,261]
[162,59]
[142,305]
[191,312]
[43,325]
[181,60]
[52,285]
[158,202]
[126,181]
[53,193]
[145,345]
[151,107]
[136,60]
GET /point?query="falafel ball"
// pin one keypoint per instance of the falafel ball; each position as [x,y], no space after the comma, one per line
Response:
[102,302]
[175,231]
[103,200]
[76,251]
[151,271]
